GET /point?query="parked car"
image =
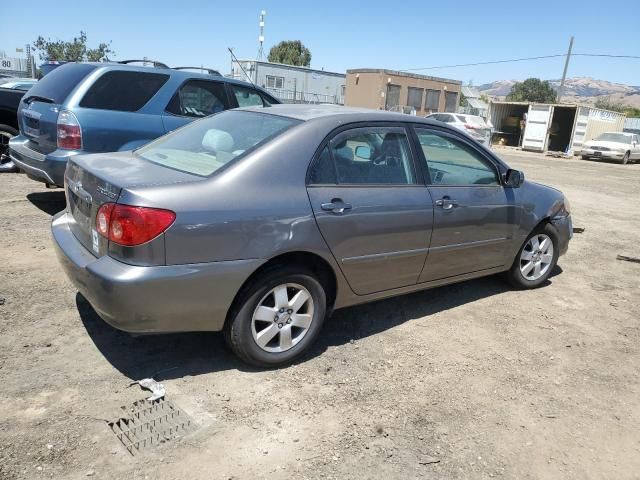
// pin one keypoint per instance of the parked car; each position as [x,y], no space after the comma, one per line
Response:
[473,125]
[621,146]
[259,222]
[103,107]
[23,84]
[9,102]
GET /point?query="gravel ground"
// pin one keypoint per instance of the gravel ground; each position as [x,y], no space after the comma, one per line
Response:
[470,381]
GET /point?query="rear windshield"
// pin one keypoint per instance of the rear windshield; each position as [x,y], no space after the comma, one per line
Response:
[125,91]
[57,85]
[206,145]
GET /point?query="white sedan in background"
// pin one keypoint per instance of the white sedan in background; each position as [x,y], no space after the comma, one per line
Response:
[472,125]
[619,146]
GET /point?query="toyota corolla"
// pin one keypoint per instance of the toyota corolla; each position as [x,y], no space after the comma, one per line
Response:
[261,221]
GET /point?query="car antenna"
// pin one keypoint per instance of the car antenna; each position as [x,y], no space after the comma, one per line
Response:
[240,65]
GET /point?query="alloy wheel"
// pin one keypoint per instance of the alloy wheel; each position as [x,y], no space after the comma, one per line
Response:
[282,318]
[536,257]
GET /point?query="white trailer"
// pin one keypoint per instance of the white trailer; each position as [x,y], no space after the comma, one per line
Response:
[554,127]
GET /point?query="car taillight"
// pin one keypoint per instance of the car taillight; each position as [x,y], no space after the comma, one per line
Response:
[69,131]
[469,127]
[130,226]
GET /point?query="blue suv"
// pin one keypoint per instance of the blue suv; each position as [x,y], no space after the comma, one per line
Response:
[106,107]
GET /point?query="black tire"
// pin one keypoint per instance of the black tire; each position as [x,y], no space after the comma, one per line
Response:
[584,157]
[6,132]
[515,275]
[625,158]
[238,330]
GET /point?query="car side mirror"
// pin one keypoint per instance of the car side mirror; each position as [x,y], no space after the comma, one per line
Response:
[513,178]
[363,152]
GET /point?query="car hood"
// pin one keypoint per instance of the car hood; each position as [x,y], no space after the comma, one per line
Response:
[611,145]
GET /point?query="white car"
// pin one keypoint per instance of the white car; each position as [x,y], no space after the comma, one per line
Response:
[621,146]
[473,125]
[17,83]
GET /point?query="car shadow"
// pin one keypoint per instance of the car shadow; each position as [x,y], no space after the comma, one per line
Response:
[49,202]
[178,355]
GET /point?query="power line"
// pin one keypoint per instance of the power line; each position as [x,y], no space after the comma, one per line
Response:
[484,63]
[524,59]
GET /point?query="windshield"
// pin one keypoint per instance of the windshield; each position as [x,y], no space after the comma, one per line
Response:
[204,146]
[613,137]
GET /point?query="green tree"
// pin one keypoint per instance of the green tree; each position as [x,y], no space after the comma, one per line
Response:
[532,90]
[610,103]
[73,51]
[290,52]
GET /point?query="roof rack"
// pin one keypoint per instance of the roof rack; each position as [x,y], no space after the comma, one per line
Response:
[210,71]
[154,62]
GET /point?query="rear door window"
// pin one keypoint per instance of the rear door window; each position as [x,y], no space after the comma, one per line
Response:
[124,91]
[373,156]
[246,97]
[199,98]
[57,85]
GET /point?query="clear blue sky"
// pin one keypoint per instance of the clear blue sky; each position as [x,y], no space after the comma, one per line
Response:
[348,34]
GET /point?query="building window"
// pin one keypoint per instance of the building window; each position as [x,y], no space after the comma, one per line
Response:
[342,90]
[450,101]
[275,82]
[393,97]
[432,100]
[414,98]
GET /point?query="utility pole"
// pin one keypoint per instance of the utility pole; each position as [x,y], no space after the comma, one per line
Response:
[564,73]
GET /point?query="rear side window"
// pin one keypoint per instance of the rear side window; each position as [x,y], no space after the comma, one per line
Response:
[123,90]
[199,98]
[246,97]
[58,84]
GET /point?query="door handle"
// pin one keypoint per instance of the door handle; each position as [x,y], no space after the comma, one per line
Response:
[447,203]
[336,205]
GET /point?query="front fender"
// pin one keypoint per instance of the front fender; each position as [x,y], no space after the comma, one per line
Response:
[539,203]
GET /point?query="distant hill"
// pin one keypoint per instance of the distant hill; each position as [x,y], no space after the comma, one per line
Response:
[582,90]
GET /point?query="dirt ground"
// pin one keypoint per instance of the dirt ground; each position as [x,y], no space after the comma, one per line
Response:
[470,381]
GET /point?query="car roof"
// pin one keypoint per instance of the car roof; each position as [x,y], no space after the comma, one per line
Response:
[308,112]
[173,72]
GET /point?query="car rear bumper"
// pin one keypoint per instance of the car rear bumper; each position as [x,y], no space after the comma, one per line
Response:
[564,225]
[38,166]
[158,299]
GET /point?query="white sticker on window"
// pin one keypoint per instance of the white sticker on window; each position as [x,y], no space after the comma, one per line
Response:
[95,241]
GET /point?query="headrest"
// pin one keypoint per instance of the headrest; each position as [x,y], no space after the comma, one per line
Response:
[217,140]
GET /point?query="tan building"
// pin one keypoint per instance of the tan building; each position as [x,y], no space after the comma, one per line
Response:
[401,91]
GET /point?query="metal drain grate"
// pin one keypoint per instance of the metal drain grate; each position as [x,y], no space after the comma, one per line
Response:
[151,423]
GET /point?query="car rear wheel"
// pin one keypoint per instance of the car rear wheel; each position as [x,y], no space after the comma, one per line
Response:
[277,317]
[6,134]
[625,159]
[536,259]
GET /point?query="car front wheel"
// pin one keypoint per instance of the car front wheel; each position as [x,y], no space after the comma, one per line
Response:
[625,159]
[277,317]
[536,259]
[6,134]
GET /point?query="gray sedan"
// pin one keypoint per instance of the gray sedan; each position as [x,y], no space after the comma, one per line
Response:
[260,222]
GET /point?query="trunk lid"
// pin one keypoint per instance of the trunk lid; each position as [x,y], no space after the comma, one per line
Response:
[93,180]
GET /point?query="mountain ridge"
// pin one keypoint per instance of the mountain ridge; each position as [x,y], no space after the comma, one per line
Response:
[581,90]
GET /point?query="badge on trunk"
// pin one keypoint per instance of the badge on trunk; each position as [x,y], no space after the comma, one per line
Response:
[95,240]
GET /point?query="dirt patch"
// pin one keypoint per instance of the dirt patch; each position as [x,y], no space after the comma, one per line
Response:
[470,381]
